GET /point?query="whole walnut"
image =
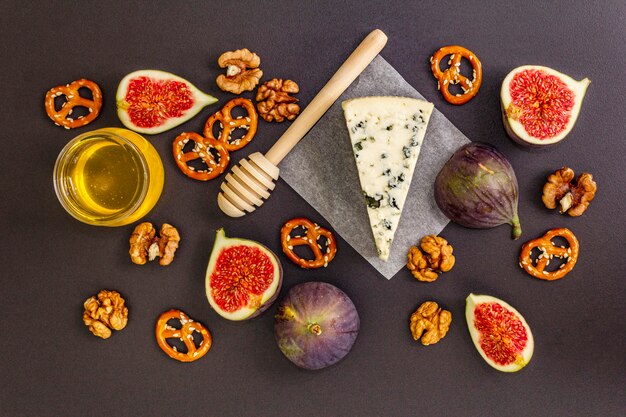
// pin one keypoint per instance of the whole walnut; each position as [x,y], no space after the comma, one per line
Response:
[430,323]
[434,257]
[104,312]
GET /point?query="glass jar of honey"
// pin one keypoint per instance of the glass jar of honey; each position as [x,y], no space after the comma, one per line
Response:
[108,177]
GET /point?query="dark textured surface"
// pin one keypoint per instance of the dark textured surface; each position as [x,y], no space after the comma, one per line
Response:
[51,364]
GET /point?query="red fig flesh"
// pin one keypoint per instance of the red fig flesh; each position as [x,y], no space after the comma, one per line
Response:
[153,101]
[499,332]
[243,277]
[540,105]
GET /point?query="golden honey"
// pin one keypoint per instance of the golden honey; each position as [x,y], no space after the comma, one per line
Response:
[108,177]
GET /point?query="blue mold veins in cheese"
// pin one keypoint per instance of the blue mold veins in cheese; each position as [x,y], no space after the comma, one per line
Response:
[386,135]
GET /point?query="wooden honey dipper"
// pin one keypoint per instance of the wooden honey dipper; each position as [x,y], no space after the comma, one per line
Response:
[250,182]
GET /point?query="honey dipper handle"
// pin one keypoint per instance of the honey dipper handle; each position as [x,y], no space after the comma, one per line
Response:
[351,68]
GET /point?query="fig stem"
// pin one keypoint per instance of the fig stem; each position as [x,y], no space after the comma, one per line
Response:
[517,227]
[315,328]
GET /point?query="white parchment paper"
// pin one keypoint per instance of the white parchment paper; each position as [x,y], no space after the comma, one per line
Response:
[321,168]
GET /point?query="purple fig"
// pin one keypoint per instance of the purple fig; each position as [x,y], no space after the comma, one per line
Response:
[316,325]
[477,188]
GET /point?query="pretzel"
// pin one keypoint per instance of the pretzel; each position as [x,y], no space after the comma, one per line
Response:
[164,331]
[550,250]
[70,91]
[201,150]
[228,124]
[452,75]
[313,233]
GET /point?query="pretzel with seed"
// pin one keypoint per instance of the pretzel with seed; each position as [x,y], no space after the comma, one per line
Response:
[201,150]
[313,233]
[229,123]
[548,251]
[452,75]
[164,331]
[70,91]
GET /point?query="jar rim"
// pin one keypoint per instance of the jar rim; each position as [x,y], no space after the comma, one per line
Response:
[61,189]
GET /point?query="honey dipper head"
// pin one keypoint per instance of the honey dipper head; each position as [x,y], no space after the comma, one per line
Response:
[247,185]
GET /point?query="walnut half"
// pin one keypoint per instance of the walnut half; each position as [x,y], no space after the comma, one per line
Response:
[573,197]
[434,257]
[275,102]
[430,323]
[242,71]
[104,312]
[146,246]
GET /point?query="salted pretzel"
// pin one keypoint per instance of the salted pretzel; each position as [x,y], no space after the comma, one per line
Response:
[452,75]
[70,91]
[229,123]
[164,331]
[548,251]
[201,150]
[312,233]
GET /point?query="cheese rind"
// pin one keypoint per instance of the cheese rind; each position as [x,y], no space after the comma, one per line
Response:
[386,134]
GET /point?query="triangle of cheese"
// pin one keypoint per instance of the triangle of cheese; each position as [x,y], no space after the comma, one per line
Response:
[386,135]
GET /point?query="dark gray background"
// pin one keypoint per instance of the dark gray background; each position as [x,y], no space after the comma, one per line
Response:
[51,364]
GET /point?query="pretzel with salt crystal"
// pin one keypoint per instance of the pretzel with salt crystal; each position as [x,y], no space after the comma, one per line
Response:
[452,75]
[164,331]
[201,150]
[229,123]
[70,91]
[548,251]
[312,233]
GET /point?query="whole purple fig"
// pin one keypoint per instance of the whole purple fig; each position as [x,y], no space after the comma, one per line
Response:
[316,325]
[477,188]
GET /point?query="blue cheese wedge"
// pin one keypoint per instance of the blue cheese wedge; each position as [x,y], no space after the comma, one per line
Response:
[386,135]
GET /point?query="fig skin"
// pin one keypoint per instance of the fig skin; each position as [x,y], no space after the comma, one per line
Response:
[477,188]
[316,325]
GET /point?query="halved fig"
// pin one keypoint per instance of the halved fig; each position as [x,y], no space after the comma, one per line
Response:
[499,332]
[243,277]
[153,101]
[540,105]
